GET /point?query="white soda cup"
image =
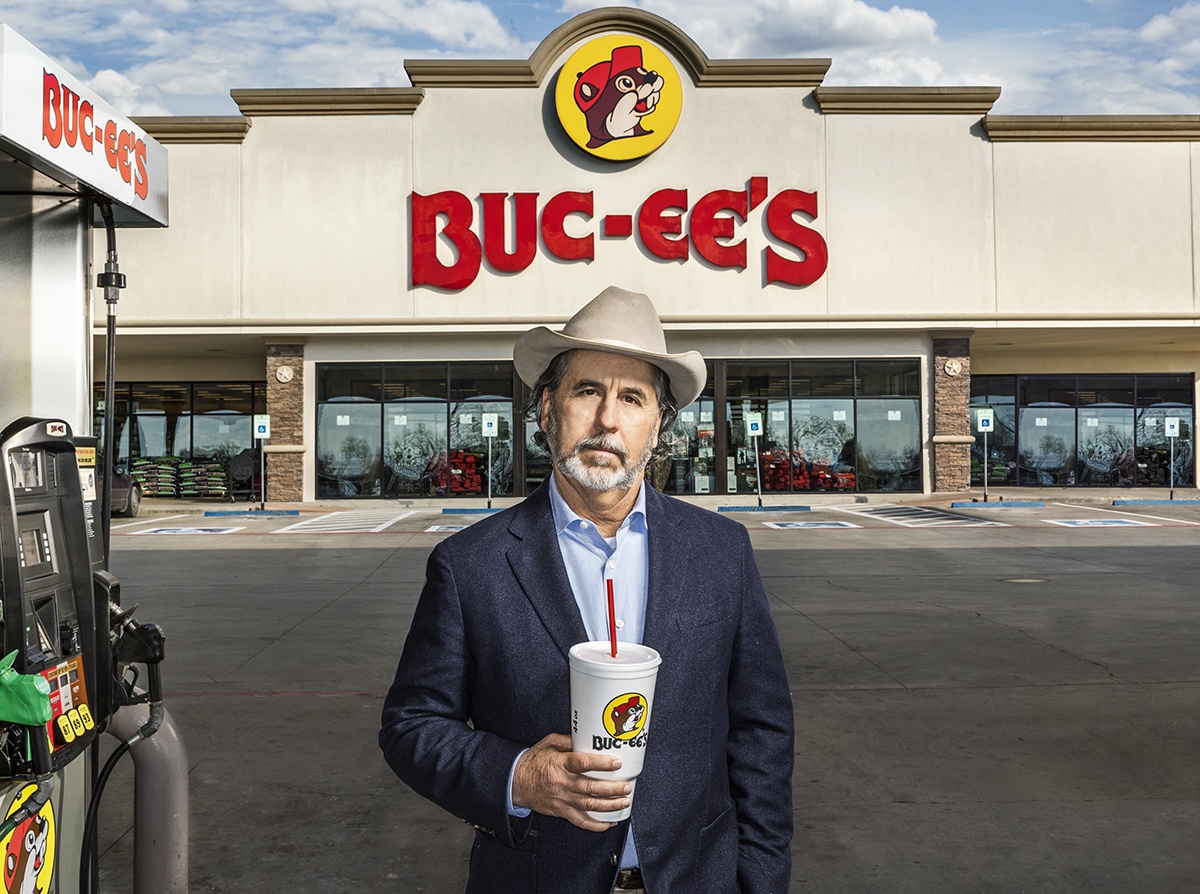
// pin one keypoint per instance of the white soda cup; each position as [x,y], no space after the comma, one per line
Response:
[611,700]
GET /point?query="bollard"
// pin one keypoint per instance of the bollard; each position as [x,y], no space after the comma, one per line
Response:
[160,803]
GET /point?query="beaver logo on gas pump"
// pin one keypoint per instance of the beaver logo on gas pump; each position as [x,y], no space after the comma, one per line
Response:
[616,95]
[26,863]
[29,849]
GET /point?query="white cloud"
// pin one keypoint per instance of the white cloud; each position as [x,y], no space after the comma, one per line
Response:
[786,27]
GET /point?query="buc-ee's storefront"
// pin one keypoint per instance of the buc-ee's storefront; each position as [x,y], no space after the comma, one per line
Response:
[861,266]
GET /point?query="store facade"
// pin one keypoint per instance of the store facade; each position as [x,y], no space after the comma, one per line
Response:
[860,266]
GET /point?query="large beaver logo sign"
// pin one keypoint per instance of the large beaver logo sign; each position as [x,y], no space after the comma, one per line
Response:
[616,95]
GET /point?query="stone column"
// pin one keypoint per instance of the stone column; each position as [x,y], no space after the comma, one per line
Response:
[952,438]
[285,404]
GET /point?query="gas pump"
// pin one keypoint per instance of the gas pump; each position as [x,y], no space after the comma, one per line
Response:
[68,644]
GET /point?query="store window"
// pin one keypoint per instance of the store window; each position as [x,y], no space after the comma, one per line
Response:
[762,388]
[823,425]
[414,429]
[999,394]
[888,424]
[1088,430]
[1161,461]
[827,425]
[692,466]
[178,439]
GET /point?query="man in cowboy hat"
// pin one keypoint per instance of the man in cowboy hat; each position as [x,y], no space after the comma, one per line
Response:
[477,717]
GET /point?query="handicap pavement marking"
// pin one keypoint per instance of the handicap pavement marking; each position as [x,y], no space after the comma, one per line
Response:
[1101,523]
[919,517]
[353,521]
[790,525]
[445,529]
[187,531]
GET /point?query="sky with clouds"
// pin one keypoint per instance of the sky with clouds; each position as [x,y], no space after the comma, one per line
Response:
[1054,57]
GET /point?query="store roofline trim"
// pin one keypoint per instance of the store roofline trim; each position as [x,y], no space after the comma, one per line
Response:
[703,71]
[1133,128]
[906,100]
[329,101]
[168,129]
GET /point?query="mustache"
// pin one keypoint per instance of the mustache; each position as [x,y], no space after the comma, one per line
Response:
[602,442]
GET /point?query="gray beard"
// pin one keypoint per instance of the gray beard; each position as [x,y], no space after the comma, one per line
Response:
[599,478]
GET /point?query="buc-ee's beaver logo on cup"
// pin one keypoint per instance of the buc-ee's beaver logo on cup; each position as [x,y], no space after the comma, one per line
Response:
[29,849]
[618,97]
[625,717]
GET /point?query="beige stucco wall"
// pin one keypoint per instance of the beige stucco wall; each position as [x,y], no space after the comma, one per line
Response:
[325,217]
[191,270]
[909,216]
[1087,228]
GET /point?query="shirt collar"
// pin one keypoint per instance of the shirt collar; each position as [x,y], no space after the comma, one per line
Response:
[565,517]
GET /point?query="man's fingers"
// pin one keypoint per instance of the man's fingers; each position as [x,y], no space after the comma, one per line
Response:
[586,761]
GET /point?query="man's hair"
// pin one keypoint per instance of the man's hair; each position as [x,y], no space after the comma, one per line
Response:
[552,378]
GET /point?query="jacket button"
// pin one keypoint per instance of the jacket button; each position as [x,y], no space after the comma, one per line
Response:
[612,858]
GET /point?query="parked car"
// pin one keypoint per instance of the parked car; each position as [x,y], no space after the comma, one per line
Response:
[126,494]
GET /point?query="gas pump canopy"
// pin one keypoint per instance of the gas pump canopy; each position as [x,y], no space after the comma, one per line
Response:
[56,136]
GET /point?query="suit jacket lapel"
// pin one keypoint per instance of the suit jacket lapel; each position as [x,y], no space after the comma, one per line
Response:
[536,562]
[662,599]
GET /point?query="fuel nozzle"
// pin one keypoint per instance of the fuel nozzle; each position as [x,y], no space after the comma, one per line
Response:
[135,643]
[24,698]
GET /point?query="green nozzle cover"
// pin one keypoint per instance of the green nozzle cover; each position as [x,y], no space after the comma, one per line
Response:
[24,698]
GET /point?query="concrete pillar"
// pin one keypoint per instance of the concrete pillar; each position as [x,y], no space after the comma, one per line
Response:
[952,438]
[285,404]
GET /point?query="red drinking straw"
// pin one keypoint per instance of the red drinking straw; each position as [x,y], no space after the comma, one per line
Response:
[612,620]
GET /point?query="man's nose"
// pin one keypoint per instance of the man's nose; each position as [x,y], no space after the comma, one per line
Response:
[606,414]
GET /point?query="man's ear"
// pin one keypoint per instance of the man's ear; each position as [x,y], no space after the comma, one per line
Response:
[543,409]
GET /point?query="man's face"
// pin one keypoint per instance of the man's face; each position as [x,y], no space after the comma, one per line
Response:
[602,421]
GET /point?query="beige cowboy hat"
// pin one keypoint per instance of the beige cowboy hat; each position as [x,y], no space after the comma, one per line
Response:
[616,322]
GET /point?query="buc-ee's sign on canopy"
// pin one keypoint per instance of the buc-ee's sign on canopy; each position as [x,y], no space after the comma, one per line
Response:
[618,98]
[61,127]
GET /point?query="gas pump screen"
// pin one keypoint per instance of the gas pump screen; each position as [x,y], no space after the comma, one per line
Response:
[27,470]
[37,556]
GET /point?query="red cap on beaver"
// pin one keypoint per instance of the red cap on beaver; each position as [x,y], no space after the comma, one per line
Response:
[623,59]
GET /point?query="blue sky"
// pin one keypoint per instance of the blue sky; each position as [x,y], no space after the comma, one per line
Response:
[1057,57]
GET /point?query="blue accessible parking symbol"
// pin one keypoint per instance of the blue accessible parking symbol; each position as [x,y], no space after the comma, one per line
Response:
[1101,523]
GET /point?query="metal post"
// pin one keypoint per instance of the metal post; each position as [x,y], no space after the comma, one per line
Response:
[1172,473]
[160,803]
[987,466]
[262,475]
[489,472]
[757,472]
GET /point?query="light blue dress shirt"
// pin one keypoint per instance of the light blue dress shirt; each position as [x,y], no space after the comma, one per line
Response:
[592,560]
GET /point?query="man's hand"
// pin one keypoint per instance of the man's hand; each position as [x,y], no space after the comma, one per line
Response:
[549,779]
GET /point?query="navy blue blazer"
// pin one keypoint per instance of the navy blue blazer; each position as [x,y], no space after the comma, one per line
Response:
[484,674]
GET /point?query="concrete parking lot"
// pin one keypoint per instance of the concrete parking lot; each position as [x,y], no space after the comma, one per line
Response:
[988,699]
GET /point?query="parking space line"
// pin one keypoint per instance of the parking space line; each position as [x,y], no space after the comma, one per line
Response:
[146,521]
[1177,521]
[356,521]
